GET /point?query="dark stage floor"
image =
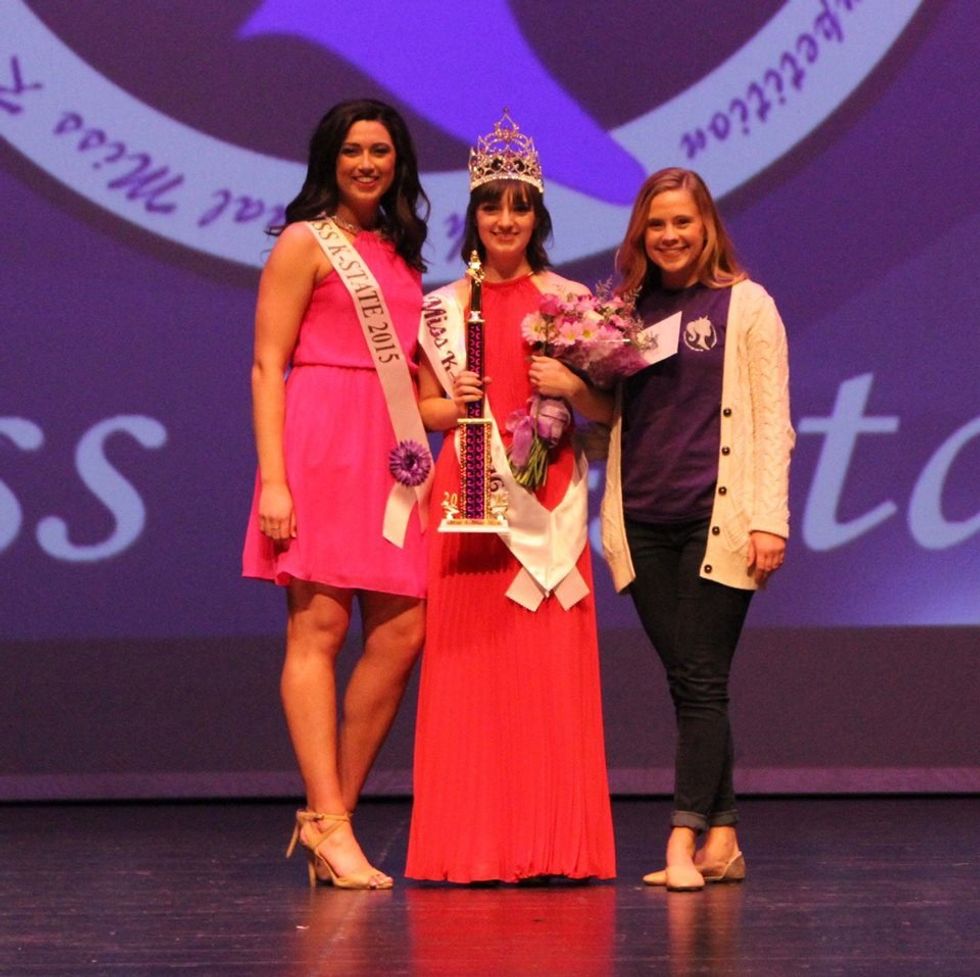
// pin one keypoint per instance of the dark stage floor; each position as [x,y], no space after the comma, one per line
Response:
[847,887]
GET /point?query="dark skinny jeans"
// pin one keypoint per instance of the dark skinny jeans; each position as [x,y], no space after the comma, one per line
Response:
[694,625]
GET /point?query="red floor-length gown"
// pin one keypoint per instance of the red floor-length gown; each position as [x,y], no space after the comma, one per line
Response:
[510,772]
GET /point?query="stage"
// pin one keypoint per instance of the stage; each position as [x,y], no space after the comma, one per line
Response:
[141,690]
[836,886]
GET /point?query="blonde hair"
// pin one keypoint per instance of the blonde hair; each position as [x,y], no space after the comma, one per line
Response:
[717,267]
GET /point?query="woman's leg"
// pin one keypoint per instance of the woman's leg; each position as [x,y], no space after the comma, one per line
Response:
[656,553]
[709,622]
[719,848]
[721,843]
[318,621]
[393,631]
[694,626]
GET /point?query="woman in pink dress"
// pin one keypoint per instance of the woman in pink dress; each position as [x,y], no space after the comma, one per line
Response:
[509,773]
[323,523]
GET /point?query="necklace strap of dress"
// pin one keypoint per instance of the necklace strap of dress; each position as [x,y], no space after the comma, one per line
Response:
[389,363]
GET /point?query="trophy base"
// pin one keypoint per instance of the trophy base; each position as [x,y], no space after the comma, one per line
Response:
[474,526]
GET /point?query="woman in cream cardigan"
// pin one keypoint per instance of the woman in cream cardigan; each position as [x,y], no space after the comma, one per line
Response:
[695,515]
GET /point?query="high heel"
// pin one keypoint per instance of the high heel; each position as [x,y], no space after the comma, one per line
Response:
[318,865]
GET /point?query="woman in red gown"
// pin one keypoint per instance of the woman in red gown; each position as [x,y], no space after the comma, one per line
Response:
[510,773]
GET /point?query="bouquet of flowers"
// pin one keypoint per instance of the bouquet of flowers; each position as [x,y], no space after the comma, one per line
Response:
[597,335]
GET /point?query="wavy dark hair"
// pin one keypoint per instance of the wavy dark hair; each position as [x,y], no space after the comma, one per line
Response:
[717,267]
[399,216]
[514,191]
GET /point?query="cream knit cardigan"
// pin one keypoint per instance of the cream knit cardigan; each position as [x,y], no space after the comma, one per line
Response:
[754,451]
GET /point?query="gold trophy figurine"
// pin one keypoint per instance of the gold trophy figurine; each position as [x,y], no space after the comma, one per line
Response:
[481,506]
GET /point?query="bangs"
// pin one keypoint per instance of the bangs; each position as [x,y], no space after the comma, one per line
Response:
[507,191]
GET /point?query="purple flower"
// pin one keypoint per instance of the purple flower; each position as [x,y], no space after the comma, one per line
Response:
[410,462]
[522,427]
[552,416]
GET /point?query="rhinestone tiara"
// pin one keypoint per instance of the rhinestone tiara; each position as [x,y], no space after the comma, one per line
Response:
[505,154]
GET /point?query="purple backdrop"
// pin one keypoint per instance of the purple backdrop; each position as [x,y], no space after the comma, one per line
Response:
[137,663]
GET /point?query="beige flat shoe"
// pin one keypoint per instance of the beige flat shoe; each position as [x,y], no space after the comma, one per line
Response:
[732,871]
[683,878]
[679,879]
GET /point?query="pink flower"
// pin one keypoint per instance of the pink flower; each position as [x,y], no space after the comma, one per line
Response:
[613,330]
[567,333]
[591,324]
[550,305]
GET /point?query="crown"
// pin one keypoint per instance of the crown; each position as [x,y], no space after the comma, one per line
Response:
[505,154]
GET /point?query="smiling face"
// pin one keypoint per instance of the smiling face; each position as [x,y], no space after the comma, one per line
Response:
[365,169]
[675,237]
[505,227]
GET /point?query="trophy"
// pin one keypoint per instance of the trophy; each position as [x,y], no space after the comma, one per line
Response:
[481,505]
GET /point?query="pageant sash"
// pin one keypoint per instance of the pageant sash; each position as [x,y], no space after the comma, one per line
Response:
[389,362]
[546,542]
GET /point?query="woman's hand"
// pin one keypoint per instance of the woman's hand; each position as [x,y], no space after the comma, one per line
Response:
[439,411]
[467,389]
[551,378]
[277,518]
[766,554]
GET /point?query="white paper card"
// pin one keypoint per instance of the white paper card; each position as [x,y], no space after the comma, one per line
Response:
[662,338]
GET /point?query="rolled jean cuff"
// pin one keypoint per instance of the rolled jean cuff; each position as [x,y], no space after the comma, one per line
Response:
[689,819]
[723,819]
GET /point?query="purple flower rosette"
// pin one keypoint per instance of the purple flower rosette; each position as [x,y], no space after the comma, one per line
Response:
[410,462]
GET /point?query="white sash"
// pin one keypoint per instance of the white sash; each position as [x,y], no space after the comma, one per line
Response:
[389,362]
[547,543]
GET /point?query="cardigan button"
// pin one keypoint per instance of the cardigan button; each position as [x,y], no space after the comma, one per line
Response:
[727,412]
[715,530]
[722,490]
[708,568]
[726,451]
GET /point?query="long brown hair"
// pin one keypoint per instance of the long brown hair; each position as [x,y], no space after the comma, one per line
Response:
[404,207]
[718,266]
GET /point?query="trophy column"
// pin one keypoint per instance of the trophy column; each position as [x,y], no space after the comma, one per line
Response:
[480,507]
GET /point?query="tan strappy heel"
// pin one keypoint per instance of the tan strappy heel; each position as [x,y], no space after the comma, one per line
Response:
[320,869]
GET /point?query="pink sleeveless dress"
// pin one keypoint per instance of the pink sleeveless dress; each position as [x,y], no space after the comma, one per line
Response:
[336,441]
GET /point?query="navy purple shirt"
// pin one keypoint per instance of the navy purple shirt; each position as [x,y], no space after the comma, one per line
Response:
[671,411]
